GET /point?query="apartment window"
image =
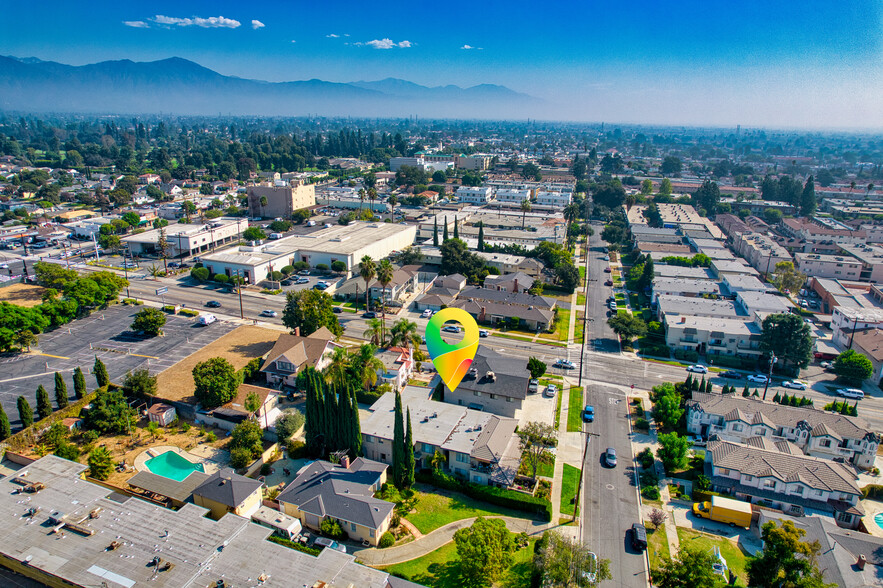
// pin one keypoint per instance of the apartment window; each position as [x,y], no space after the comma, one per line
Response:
[369,439]
[749,478]
[825,443]
[724,471]
[462,458]
[476,392]
[798,490]
[382,457]
[427,448]
[353,527]
[769,483]
[493,396]
[844,517]
[508,399]
[370,532]
[845,497]
[737,427]
[761,432]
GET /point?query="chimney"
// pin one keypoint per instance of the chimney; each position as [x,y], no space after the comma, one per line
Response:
[516,286]
[345,462]
[297,331]
[683,319]
[481,316]
[860,564]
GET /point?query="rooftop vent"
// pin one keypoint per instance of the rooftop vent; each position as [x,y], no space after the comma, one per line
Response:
[491,376]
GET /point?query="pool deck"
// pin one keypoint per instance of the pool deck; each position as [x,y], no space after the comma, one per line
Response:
[872,507]
[209,465]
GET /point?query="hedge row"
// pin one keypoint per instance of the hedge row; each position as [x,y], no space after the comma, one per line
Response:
[498,496]
[686,354]
[293,545]
[732,361]
[872,491]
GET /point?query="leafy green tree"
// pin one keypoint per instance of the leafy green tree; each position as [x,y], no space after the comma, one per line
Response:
[60,391]
[567,276]
[853,367]
[100,463]
[537,367]
[100,372]
[690,569]
[5,428]
[149,321]
[247,435]
[671,166]
[788,337]
[786,560]
[535,439]
[673,451]
[310,310]
[254,234]
[53,275]
[627,326]
[457,259]
[665,187]
[109,413]
[79,383]
[288,424]
[139,384]
[217,382]
[44,406]
[25,412]
[565,561]
[788,278]
[667,407]
[707,196]
[485,550]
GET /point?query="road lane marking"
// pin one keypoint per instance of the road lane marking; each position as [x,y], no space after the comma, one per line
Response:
[55,356]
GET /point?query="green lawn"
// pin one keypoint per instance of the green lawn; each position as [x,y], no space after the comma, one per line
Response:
[731,551]
[574,409]
[558,411]
[582,273]
[505,336]
[657,545]
[437,508]
[568,489]
[546,467]
[441,569]
[581,300]
[579,327]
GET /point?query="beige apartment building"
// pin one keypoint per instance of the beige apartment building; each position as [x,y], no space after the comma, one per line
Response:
[819,265]
[279,201]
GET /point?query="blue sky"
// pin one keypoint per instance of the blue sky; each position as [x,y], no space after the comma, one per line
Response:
[770,63]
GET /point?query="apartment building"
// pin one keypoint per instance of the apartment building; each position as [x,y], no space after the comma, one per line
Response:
[871,259]
[554,198]
[761,252]
[185,239]
[815,432]
[818,265]
[396,163]
[713,334]
[847,319]
[512,195]
[814,233]
[475,194]
[266,201]
[473,162]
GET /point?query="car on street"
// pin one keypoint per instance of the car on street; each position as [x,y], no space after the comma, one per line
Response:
[451,329]
[608,283]
[612,305]
[697,440]
[606,258]
[533,386]
[550,391]
[588,413]
[564,364]
[369,315]
[698,368]
[426,313]
[213,304]
[639,537]
[795,384]
[826,365]
[607,270]
[851,393]
[758,378]
[129,264]
[733,375]
[336,310]
[610,457]
[483,333]
[270,313]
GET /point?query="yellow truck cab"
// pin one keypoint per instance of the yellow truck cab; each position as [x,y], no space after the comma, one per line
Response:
[724,510]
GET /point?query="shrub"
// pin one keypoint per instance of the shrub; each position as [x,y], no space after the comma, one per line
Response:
[322,267]
[648,479]
[170,308]
[185,427]
[265,469]
[189,312]
[646,459]
[221,278]
[686,354]
[297,450]
[296,546]
[210,437]
[240,458]
[650,493]
[200,274]
[656,351]
[386,540]
[331,528]
[642,424]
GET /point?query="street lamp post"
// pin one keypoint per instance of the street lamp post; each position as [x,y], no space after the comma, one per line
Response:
[769,376]
[239,282]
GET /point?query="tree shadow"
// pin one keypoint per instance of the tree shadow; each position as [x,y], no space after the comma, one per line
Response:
[446,575]
[255,349]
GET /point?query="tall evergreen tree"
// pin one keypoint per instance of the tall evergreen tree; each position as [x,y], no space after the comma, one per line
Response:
[332,424]
[5,428]
[25,412]
[808,197]
[355,425]
[44,406]
[314,412]
[398,443]
[480,236]
[708,388]
[60,391]
[701,386]
[100,371]
[745,391]
[408,470]
[445,233]
[79,383]
[456,233]
[435,231]
[688,383]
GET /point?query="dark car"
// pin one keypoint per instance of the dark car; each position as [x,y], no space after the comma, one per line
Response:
[213,304]
[589,414]
[608,283]
[336,310]
[731,374]
[286,282]
[369,315]
[639,537]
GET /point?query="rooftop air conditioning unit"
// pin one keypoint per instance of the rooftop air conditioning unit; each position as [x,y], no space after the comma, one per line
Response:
[491,376]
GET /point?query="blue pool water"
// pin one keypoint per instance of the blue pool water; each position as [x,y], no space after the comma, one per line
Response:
[173,466]
[878,518]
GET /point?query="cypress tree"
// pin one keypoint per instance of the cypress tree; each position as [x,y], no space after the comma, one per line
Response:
[60,391]
[25,413]
[456,234]
[844,409]
[355,425]
[44,406]
[5,429]
[708,387]
[689,382]
[445,233]
[398,443]
[79,383]
[480,236]
[435,232]
[331,419]
[745,391]
[777,397]
[408,474]
[854,411]
[100,371]
[756,394]
[696,384]
[312,412]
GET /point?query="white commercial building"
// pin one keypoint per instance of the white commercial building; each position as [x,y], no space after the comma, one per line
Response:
[554,198]
[475,195]
[512,195]
[185,239]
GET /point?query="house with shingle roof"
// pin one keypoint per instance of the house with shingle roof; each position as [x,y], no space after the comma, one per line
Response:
[343,492]
[816,432]
[292,353]
[495,383]
[798,485]
[226,491]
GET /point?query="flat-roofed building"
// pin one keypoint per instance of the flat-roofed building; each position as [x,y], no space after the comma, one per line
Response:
[760,251]
[840,267]
[871,259]
[185,240]
[512,195]
[670,306]
[721,336]
[280,201]
[684,287]
[846,319]
[475,194]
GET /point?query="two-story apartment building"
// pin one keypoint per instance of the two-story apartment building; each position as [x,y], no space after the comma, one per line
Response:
[848,319]
[815,432]
[819,265]
[512,195]
[495,383]
[475,194]
[713,334]
[776,474]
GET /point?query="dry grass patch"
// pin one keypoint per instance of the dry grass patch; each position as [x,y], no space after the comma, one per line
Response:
[239,346]
[22,294]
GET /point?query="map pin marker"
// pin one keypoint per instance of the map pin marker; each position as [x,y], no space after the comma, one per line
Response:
[452,361]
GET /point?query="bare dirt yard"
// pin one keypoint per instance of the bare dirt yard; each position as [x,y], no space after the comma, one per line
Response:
[22,294]
[238,347]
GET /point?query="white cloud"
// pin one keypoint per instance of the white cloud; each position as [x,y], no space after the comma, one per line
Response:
[136,24]
[212,22]
[387,44]
[256,24]
[293,41]
[467,47]
[404,44]
[331,36]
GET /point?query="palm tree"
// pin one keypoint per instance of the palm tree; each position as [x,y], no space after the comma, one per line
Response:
[336,371]
[525,208]
[571,212]
[372,195]
[851,186]
[384,276]
[367,270]
[361,200]
[392,207]
[374,332]
[365,365]
[403,333]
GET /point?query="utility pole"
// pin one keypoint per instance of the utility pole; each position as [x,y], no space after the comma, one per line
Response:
[769,376]
[582,351]
[852,336]
[126,270]
[582,465]
[239,283]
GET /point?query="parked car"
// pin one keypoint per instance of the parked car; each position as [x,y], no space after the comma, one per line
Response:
[851,393]
[303,273]
[565,364]
[287,282]
[336,310]
[533,386]
[550,391]
[451,329]
[608,283]
[588,413]
[606,258]
[369,315]
[321,286]
[270,313]
[612,305]
[699,369]
[610,457]
[426,313]
[734,375]
[302,280]
[607,270]
[483,333]
[826,365]
[758,378]
[207,319]
[213,304]
[639,537]
[697,440]
[795,384]
[330,543]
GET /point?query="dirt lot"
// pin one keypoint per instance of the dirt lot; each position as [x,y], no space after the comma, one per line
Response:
[22,294]
[238,347]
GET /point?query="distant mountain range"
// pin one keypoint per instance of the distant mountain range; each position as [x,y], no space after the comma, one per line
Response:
[179,86]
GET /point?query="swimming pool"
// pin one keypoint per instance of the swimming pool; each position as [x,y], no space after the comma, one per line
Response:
[173,466]
[878,518]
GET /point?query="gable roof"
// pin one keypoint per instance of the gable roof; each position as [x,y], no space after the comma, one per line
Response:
[298,350]
[227,487]
[326,489]
[511,377]
[520,298]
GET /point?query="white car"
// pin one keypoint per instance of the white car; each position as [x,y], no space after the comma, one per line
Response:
[550,391]
[565,364]
[484,333]
[302,281]
[758,378]
[796,384]
[426,313]
[826,365]
[851,393]
[207,319]
[270,313]
[697,440]
[699,369]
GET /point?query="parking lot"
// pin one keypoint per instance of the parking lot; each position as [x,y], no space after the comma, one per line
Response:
[106,335]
